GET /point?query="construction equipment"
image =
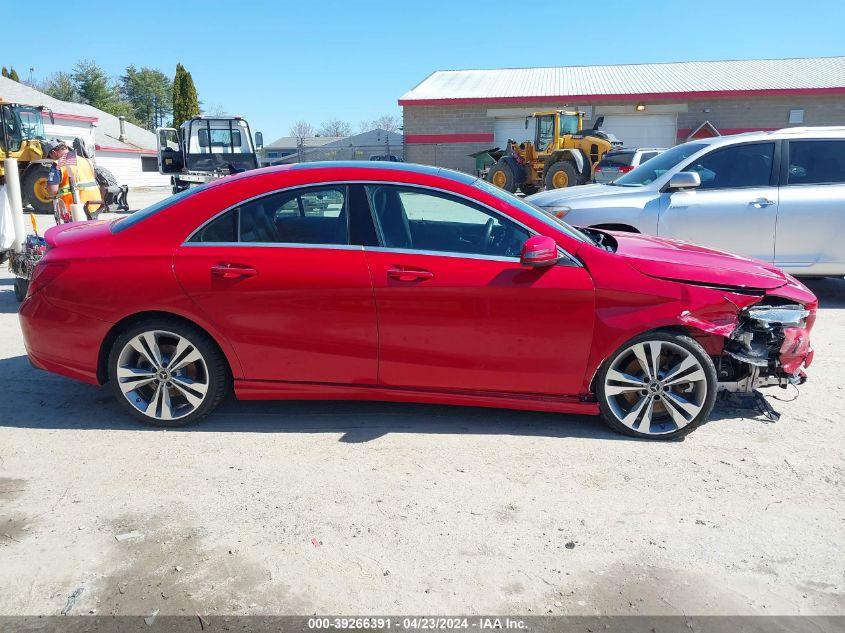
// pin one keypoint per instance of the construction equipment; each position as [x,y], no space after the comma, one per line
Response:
[23,138]
[562,153]
[204,149]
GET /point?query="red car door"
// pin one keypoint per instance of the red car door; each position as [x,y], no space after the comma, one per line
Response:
[457,311]
[278,277]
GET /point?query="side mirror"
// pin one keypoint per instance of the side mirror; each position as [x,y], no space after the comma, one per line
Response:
[684,180]
[259,140]
[539,251]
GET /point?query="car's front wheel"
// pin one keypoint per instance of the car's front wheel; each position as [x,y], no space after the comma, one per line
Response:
[658,385]
[167,373]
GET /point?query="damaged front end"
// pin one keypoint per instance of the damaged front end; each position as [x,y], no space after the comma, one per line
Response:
[774,340]
[759,338]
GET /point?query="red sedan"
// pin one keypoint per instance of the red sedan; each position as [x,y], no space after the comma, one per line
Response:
[404,283]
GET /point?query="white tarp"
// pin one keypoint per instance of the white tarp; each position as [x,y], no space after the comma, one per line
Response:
[7,222]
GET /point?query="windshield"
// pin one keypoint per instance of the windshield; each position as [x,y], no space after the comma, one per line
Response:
[657,166]
[533,211]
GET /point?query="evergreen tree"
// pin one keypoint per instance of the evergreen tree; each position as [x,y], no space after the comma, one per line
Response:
[5,72]
[60,86]
[185,101]
[13,75]
[92,84]
[148,92]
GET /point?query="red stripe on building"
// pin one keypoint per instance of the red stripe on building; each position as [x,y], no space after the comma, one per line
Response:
[125,150]
[417,139]
[593,98]
[70,117]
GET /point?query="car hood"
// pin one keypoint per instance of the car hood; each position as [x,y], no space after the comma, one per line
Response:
[685,262]
[554,197]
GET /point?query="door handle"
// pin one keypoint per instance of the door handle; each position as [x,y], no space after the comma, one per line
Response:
[233,271]
[762,202]
[409,274]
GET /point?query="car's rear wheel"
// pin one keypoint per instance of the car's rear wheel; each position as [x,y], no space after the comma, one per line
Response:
[659,385]
[167,373]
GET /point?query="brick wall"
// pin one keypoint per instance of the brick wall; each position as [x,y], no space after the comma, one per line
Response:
[725,114]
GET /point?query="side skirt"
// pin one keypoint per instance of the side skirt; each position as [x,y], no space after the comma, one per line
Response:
[268,390]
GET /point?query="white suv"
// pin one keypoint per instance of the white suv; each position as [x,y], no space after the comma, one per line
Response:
[777,196]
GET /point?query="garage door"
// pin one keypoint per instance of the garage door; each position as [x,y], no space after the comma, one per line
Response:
[504,129]
[642,130]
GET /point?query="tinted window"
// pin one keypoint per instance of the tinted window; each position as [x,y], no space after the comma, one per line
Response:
[432,221]
[302,216]
[139,216]
[617,159]
[223,229]
[747,165]
[647,156]
[816,162]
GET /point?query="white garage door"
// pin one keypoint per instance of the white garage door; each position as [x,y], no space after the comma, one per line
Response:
[642,130]
[504,129]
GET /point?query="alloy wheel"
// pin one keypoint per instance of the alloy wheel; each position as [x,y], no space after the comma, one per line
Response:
[655,387]
[162,374]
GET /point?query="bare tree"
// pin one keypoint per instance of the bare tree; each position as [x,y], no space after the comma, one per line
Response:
[301,130]
[215,109]
[335,127]
[387,122]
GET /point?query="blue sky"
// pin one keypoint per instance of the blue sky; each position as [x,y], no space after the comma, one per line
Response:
[278,62]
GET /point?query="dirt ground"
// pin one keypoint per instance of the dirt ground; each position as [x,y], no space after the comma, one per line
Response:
[300,508]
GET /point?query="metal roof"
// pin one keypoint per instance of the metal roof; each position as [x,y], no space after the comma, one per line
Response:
[813,75]
[107,129]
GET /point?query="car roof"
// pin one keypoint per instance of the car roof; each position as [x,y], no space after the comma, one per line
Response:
[832,132]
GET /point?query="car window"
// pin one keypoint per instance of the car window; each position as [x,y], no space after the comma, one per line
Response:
[433,221]
[816,162]
[745,165]
[302,216]
[659,165]
[617,159]
[647,156]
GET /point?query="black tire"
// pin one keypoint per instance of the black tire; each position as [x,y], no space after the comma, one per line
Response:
[29,185]
[528,189]
[565,169]
[105,179]
[218,375]
[21,286]
[503,173]
[707,400]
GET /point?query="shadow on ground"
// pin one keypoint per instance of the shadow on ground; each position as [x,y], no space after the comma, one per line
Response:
[35,399]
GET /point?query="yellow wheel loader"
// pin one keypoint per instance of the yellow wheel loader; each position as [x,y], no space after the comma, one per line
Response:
[562,153]
[22,137]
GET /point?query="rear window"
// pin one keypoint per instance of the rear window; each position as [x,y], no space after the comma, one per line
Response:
[617,159]
[139,216]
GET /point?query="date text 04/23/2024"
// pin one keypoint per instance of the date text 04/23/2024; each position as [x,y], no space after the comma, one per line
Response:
[415,623]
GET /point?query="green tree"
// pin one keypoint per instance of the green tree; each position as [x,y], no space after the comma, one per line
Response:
[148,93]
[60,86]
[185,100]
[13,75]
[5,72]
[94,88]
[92,85]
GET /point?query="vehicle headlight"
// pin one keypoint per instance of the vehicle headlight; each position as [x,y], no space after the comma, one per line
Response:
[558,212]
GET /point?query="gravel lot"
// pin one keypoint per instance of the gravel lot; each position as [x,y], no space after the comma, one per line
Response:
[295,508]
